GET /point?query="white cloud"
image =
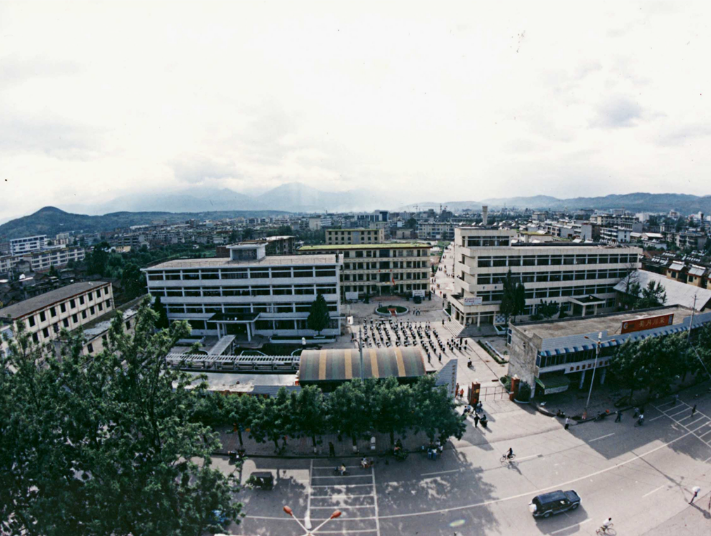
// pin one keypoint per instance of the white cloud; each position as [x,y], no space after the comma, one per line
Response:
[466,100]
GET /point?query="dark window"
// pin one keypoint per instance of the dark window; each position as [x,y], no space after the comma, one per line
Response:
[32,321]
[75,319]
[91,309]
[45,332]
[90,348]
[42,316]
[72,304]
[106,291]
[65,322]
[83,314]
[63,307]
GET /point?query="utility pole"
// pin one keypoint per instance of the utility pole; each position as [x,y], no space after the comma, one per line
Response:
[360,349]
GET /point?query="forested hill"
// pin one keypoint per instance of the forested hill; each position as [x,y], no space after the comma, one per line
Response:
[51,220]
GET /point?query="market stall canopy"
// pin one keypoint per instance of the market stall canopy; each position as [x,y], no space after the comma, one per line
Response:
[553,384]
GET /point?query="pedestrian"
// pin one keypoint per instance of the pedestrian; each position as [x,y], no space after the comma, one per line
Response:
[696,490]
[619,416]
[476,420]
[676,399]
[567,423]
[693,410]
[636,413]
[331,450]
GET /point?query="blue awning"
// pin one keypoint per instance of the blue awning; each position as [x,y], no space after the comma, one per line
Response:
[545,353]
[568,350]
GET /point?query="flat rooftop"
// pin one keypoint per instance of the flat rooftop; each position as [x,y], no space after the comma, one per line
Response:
[392,245]
[612,323]
[219,262]
[47,299]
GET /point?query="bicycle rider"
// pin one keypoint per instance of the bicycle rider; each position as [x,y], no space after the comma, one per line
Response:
[606,524]
[510,454]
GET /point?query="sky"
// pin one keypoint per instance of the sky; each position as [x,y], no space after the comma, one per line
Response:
[426,101]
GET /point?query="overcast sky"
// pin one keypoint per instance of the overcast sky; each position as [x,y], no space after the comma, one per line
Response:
[438,100]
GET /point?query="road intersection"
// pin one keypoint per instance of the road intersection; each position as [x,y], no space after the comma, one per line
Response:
[639,476]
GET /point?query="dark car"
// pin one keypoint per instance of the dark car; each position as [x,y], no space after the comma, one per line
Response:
[554,502]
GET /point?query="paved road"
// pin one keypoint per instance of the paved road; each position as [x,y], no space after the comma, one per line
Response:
[640,476]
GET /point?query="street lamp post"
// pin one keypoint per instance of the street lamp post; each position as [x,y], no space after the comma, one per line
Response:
[308,532]
[597,342]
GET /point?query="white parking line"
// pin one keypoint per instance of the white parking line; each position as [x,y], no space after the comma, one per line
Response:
[307,517]
[341,485]
[570,527]
[350,531]
[603,437]
[375,501]
[341,507]
[342,476]
[340,496]
[657,489]
[441,472]
[655,418]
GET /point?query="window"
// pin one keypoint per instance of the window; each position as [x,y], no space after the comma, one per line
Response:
[31,321]
[81,300]
[154,277]
[72,304]
[325,272]
[484,262]
[75,319]
[106,291]
[90,348]
[83,314]
[98,294]
[45,332]
[100,306]
[91,310]
[63,307]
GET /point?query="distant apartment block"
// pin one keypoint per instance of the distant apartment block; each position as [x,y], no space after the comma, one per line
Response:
[435,231]
[69,307]
[249,293]
[380,269]
[618,235]
[354,236]
[28,244]
[579,277]
[44,260]
[274,245]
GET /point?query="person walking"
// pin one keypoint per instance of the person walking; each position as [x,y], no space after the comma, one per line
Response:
[619,416]
[693,410]
[331,450]
[636,413]
[567,423]
[476,420]
[696,490]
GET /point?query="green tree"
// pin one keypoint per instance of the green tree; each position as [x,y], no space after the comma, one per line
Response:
[247,233]
[133,281]
[411,223]
[394,406]
[273,422]
[319,318]
[108,443]
[434,411]
[308,413]
[159,307]
[653,295]
[349,410]
[513,299]
[97,260]
[548,309]
[242,411]
[53,271]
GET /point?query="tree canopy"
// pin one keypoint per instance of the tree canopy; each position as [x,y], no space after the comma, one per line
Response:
[106,444]
[319,318]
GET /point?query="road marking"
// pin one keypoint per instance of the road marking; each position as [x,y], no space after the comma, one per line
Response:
[570,527]
[529,457]
[340,496]
[307,517]
[441,472]
[375,497]
[341,507]
[341,485]
[350,531]
[332,466]
[657,489]
[603,437]
[655,418]
[342,476]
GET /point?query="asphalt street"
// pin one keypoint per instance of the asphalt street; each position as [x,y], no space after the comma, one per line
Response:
[640,476]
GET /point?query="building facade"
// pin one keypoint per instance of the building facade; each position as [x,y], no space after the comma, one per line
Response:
[44,260]
[435,231]
[248,294]
[579,277]
[354,236]
[556,355]
[380,269]
[68,308]
[27,244]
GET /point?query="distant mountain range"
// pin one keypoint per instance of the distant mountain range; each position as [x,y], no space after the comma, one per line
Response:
[290,197]
[51,221]
[637,202]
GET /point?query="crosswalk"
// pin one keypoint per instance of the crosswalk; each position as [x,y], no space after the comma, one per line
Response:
[699,424]
[353,494]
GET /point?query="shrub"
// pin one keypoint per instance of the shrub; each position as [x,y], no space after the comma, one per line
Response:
[524,392]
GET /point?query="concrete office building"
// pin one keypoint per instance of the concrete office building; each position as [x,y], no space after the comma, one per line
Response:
[248,294]
[68,307]
[354,236]
[380,269]
[28,244]
[555,355]
[435,231]
[580,277]
[44,260]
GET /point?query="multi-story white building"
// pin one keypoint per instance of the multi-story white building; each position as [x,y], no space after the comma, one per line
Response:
[354,236]
[44,260]
[28,244]
[580,277]
[248,293]
[68,307]
[377,269]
